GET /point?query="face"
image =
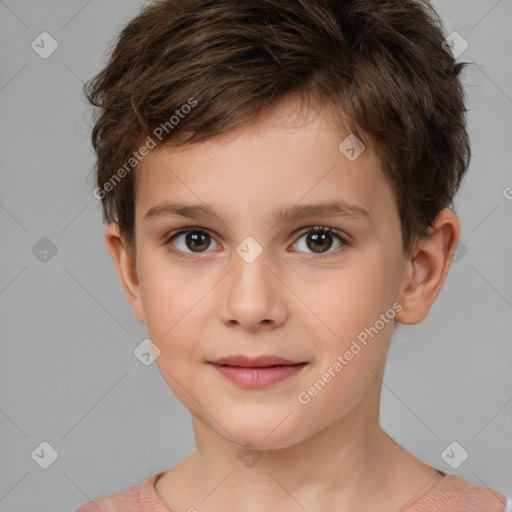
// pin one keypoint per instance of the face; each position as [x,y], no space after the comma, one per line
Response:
[248,280]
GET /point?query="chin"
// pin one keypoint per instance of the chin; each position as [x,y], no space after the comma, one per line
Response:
[264,435]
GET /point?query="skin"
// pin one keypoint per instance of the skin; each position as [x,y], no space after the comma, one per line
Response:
[328,454]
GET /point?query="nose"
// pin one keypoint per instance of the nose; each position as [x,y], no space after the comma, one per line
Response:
[252,296]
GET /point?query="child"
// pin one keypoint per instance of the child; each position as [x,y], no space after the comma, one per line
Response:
[235,138]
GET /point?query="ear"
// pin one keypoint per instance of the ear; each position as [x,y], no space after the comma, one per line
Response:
[428,267]
[126,269]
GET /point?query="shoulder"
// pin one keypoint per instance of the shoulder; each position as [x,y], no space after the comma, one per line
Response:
[456,494]
[141,497]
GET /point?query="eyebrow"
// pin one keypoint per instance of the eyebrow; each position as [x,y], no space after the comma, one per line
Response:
[284,214]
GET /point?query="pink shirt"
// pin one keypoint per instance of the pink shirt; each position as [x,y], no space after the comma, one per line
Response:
[451,494]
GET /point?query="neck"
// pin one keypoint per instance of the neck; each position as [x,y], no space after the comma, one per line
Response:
[350,463]
[350,457]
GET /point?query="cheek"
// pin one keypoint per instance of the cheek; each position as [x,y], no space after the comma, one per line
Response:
[352,342]
[171,303]
[357,318]
[351,300]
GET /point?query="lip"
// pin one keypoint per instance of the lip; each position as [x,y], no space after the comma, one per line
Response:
[257,372]
[252,362]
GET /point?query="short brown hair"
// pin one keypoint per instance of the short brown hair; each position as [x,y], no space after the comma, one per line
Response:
[380,64]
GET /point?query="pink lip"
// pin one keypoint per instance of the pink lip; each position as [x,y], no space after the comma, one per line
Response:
[258,372]
[252,362]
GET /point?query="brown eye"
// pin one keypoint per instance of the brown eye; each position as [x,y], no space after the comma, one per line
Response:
[319,240]
[192,239]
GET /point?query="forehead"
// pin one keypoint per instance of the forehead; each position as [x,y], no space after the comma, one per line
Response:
[283,159]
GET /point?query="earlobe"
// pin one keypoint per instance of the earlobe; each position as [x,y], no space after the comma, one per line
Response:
[428,267]
[126,269]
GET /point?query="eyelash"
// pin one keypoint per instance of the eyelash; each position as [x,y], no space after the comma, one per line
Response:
[309,229]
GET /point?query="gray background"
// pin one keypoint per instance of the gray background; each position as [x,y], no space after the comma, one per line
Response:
[67,369]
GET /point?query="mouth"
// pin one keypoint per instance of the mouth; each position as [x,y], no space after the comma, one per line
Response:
[264,361]
[257,372]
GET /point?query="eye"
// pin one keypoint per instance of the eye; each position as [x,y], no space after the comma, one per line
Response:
[319,239]
[193,240]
